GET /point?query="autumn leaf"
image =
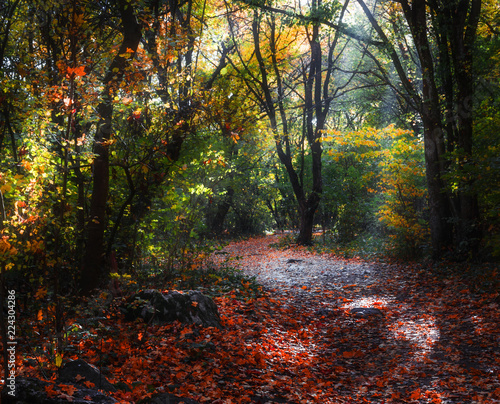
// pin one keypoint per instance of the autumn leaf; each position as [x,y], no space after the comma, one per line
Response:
[352,354]
[89,384]
[415,395]
[41,293]
[49,389]
[58,360]
[235,137]
[5,188]
[69,389]
[76,71]
[259,359]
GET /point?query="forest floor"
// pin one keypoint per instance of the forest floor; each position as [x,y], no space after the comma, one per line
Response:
[424,339]
[321,330]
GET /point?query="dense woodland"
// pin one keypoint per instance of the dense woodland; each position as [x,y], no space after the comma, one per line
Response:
[136,137]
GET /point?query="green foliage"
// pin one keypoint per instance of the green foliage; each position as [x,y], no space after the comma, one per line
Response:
[326,11]
[351,175]
[212,273]
[370,174]
[403,208]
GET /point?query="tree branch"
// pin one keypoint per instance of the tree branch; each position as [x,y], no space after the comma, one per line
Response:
[315,19]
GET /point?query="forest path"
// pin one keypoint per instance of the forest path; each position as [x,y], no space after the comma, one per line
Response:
[297,267]
[352,331]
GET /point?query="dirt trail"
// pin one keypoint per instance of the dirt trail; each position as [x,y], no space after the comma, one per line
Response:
[295,268]
[379,333]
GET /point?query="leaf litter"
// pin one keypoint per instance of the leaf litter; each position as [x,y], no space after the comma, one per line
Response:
[324,330]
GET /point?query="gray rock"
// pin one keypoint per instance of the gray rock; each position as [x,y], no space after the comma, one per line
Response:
[79,367]
[192,307]
[366,312]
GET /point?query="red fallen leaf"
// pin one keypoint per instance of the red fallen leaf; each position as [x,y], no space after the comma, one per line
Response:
[415,395]
[69,389]
[352,354]
[259,359]
[50,391]
[89,384]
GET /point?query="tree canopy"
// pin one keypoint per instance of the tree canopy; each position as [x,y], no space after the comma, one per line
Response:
[132,132]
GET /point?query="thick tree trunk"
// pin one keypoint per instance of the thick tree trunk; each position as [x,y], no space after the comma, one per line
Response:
[316,109]
[307,214]
[434,141]
[94,261]
[439,207]
[462,38]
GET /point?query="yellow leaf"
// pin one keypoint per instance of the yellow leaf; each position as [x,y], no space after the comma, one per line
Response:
[58,360]
[6,188]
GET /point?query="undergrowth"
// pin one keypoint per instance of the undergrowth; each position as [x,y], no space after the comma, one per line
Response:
[364,246]
[213,277]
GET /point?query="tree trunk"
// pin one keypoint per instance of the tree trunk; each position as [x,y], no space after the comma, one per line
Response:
[307,214]
[317,100]
[434,141]
[217,225]
[465,16]
[94,261]
[439,208]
